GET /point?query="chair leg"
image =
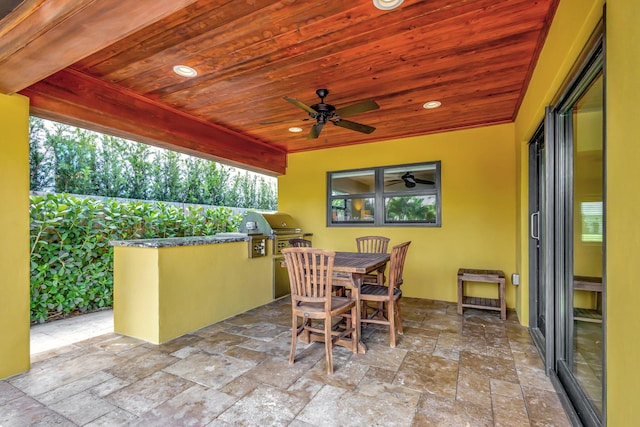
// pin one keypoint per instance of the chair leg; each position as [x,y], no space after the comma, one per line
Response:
[399,321]
[391,317]
[294,338]
[328,347]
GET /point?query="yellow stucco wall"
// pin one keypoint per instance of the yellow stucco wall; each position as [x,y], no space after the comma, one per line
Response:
[162,293]
[478,202]
[14,241]
[136,293]
[623,212]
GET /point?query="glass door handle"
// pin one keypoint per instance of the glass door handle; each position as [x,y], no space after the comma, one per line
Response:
[535,221]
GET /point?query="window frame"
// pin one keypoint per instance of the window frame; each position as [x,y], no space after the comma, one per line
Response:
[379,195]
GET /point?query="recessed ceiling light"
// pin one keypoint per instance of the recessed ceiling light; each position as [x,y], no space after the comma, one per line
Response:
[387,4]
[295,129]
[431,105]
[185,71]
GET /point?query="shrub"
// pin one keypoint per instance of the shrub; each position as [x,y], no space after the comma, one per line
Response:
[71,260]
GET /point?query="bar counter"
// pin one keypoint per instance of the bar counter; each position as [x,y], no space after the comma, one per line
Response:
[165,288]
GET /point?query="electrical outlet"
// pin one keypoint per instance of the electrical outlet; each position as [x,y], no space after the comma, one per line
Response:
[515,279]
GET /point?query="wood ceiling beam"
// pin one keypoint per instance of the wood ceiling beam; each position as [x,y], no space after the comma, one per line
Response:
[75,98]
[41,37]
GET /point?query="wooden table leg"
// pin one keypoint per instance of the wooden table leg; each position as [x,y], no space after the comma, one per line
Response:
[356,280]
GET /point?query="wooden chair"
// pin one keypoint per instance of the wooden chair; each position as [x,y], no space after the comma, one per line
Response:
[387,298]
[310,276]
[373,244]
[299,243]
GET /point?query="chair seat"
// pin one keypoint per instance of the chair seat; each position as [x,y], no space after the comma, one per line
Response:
[377,290]
[318,307]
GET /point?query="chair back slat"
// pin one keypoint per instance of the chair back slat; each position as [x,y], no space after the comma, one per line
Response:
[299,243]
[398,256]
[372,244]
[310,274]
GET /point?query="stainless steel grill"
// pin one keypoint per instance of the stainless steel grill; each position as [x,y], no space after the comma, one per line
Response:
[279,228]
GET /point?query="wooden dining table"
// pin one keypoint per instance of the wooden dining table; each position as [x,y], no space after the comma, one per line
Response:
[348,270]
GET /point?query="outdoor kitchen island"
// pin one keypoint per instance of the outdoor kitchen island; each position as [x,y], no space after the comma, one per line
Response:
[165,288]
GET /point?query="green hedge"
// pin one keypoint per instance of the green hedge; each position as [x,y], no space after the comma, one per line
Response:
[71,260]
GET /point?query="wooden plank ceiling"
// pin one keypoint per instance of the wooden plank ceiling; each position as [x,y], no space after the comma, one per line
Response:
[108,66]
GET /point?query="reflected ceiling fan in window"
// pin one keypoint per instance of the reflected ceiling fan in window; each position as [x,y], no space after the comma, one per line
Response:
[410,181]
[326,113]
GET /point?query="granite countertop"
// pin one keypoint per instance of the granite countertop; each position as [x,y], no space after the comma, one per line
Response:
[182,241]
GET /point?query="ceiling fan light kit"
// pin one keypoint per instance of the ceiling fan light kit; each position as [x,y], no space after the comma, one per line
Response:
[326,113]
[387,4]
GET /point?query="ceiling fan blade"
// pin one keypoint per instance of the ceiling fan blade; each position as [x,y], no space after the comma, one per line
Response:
[302,105]
[274,122]
[358,108]
[315,131]
[358,127]
[424,181]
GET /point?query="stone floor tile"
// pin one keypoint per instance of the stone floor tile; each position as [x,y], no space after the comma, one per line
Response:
[509,411]
[446,370]
[428,374]
[26,411]
[306,388]
[74,387]
[448,323]
[195,406]
[107,387]
[473,388]
[382,356]
[144,395]
[211,370]
[117,417]
[220,342]
[264,406]
[492,367]
[260,331]
[185,352]
[386,390]
[347,371]
[279,346]
[535,378]
[8,392]
[505,388]
[64,373]
[82,407]
[176,343]
[277,372]
[544,408]
[142,365]
[437,411]
[334,406]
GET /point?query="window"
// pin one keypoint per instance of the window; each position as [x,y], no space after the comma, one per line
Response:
[385,196]
[591,213]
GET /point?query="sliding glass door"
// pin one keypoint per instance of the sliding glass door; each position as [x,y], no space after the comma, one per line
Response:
[567,239]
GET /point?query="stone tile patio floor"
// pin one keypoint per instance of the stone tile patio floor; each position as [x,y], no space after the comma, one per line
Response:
[447,370]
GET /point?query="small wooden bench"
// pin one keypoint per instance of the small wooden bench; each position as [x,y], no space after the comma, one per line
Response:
[593,284]
[485,276]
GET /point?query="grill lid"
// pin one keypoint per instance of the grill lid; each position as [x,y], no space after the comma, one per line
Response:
[269,223]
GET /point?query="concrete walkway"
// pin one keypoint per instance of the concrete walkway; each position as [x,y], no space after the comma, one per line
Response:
[59,333]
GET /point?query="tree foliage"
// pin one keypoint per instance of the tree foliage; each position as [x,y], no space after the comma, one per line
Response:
[65,159]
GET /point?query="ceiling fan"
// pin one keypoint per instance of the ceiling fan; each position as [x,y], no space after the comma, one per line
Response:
[410,181]
[327,113]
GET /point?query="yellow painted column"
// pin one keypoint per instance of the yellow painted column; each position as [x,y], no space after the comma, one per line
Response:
[14,239]
[622,212]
